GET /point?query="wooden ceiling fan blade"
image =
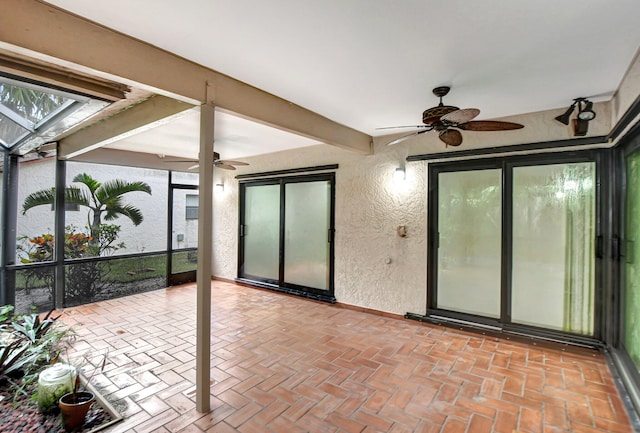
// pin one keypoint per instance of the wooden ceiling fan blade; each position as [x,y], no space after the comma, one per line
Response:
[179,160]
[489,125]
[451,137]
[461,116]
[406,137]
[223,165]
[229,162]
[405,126]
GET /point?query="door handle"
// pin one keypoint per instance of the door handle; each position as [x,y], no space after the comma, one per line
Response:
[330,235]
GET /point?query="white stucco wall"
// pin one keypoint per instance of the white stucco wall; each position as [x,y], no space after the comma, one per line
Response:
[369,208]
[149,236]
[628,90]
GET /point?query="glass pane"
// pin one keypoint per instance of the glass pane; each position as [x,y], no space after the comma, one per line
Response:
[262,231]
[553,241]
[306,239]
[10,132]
[631,289]
[117,233]
[183,178]
[184,261]
[185,228]
[470,225]
[100,280]
[33,105]
[35,219]
[2,204]
[34,288]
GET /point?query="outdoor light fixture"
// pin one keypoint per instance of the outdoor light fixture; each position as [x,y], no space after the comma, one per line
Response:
[585,115]
[564,118]
[586,112]
[399,174]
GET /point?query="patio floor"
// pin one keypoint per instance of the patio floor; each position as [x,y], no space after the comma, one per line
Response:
[286,364]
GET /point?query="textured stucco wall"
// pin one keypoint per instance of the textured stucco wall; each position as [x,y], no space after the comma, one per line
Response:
[369,207]
[628,90]
[149,236]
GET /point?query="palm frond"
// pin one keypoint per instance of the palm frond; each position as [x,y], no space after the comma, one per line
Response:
[117,187]
[48,197]
[87,180]
[131,212]
[75,195]
[39,198]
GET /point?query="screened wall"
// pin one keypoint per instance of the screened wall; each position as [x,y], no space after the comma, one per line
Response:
[109,250]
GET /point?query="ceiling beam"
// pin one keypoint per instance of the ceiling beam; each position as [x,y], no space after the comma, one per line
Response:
[60,78]
[126,158]
[145,115]
[44,32]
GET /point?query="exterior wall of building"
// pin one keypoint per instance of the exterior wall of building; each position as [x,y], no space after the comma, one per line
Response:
[369,208]
[149,236]
[374,267]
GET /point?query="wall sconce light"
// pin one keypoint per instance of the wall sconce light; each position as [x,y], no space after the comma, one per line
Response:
[585,115]
[219,187]
[399,174]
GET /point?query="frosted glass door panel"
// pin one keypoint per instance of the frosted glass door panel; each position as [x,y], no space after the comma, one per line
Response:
[553,240]
[469,254]
[262,231]
[631,289]
[307,223]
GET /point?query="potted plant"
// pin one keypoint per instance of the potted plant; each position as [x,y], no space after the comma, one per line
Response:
[75,405]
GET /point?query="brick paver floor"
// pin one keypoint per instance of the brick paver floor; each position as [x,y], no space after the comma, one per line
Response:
[284,364]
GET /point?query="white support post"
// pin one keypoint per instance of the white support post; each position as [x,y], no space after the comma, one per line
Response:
[205,247]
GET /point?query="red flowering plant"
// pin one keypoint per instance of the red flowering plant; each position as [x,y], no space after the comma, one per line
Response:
[41,248]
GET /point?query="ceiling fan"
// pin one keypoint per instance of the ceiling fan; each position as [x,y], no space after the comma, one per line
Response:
[40,152]
[217,162]
[449,120]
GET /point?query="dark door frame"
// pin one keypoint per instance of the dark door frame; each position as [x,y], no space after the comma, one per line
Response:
[182,277]
[281,285]
[503,325]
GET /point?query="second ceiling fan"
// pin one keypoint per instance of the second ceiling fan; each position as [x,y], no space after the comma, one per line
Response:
[448,120]
[217,162]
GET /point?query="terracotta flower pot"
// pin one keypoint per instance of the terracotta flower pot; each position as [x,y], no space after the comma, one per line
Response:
[74,408]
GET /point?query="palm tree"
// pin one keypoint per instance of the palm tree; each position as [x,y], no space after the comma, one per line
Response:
[101,199]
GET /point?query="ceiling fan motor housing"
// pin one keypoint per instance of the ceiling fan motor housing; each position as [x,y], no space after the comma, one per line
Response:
[432,115]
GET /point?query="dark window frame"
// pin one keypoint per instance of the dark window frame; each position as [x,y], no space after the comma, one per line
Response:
[190,212]
[503,325]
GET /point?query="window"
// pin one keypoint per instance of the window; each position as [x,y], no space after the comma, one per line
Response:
[29,110]
[514,243]
[191,207]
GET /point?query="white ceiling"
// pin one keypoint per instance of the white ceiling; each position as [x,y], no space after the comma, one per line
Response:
[373,63]
[234,138]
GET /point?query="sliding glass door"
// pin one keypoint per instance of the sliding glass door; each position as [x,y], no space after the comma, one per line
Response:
[286,234]
[630,310]
[469,255]
[307,215]
[514,243]
[553,256]
[260,232]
